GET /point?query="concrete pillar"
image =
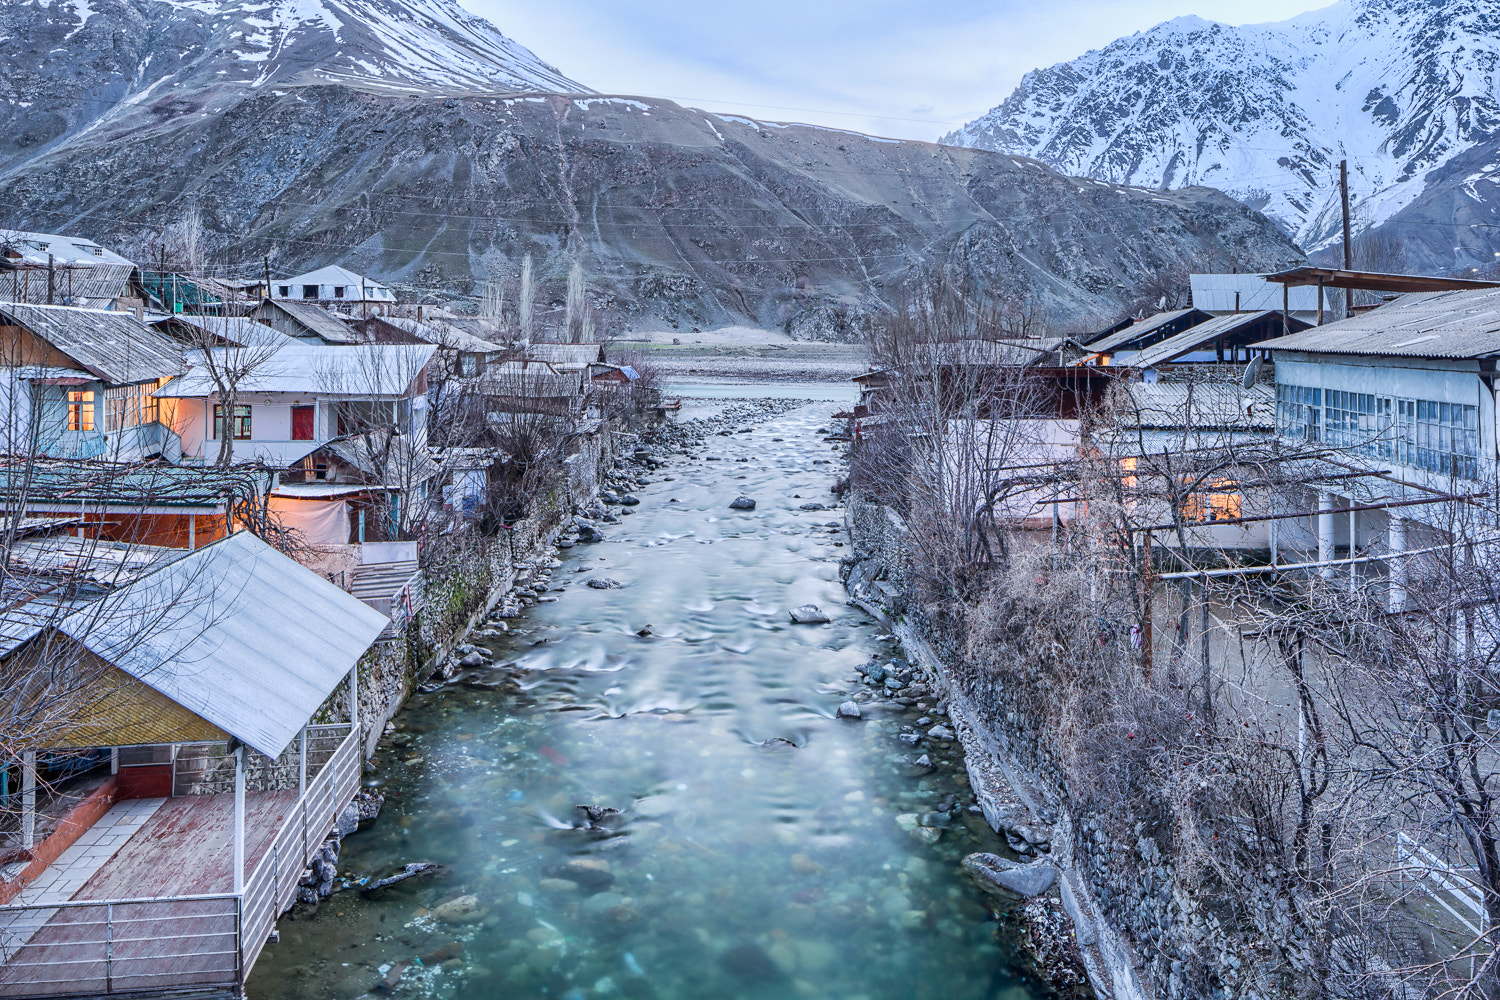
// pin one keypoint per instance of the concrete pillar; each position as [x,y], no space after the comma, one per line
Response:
[1353,545]
[239,819]
[354,697]
[1396,540]
[1325,534]
[28,799]
[192,532]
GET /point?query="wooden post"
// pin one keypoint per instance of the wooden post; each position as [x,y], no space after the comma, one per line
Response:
[51,281]
[28,799]
[239,819]
[1353,544]
[1320,303]
[1286,310]
[1348,241]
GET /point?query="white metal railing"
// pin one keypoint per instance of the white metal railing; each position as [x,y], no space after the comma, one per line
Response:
[116,946]
[1439,879]
[272,887]
[120,946]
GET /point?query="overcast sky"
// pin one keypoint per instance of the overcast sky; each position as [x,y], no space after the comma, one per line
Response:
[904,68]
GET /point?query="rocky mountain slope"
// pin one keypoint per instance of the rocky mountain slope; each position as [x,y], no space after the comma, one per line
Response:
[1406,90]
[677,216]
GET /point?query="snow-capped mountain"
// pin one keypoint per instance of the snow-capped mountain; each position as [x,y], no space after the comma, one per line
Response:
[1405,90]
[403,46]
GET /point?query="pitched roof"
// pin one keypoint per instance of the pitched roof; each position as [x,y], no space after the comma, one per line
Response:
[236,633]
[445,335]
[316,320]
[1140,329]
[64,484]
[1194,337]
[114,346]
[1461,324]
[561,355]
[1223,403]
[337,276]
[360,370]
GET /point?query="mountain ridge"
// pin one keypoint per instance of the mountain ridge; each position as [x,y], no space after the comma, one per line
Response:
[1399,88]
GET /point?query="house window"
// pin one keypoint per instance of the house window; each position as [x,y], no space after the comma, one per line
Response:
[338,291]
[1220,501]
[285,291]
[302,423]
[239,423]
[81,411]
[132,405]
[309,291]
[1438,437]
[1299,412]
[468,364]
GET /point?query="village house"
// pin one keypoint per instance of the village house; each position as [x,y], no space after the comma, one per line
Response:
[42,269]
[1225,294]
[79,384]
[202,683]
[1406,395]
[334,286]
[304,321]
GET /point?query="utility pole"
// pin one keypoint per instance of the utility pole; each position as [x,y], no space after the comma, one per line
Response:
[267,261]
[1348,243]
[51,281]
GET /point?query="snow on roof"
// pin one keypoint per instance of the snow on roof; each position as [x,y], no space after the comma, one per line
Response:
[235,632]
[66,251]
[360,370]
[313,318]
[338,277]
[445,335]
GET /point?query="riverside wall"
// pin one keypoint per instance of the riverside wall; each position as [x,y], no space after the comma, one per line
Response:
[1117,913]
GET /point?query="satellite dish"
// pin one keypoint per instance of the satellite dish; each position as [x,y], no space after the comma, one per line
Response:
[1252,372]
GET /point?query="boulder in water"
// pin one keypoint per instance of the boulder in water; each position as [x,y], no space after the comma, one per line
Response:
[605,583]
[848,710]
[809,614]
[742,503]
[1002,876]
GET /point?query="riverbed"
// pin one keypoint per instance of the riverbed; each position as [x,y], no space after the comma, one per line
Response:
[762,846]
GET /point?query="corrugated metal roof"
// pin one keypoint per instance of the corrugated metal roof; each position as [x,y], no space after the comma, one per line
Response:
[1216,293]
[92,486]
[402,465]
[1462,324]
[85,270]
[236,329]
[445,335]
[236,633]
[1192,338]
[359,370]
[561,355]
[316,320]
[1136,331]
[1213,404]
[114,346]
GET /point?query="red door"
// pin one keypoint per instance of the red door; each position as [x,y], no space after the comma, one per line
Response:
[302,423]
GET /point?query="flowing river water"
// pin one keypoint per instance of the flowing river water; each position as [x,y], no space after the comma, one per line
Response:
[734,868]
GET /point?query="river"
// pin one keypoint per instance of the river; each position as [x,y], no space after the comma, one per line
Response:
[734,868]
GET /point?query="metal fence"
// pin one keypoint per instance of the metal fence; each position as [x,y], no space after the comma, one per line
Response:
[156,946]
[119,946]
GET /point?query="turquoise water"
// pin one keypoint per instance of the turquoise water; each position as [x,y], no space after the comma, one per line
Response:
[734,868]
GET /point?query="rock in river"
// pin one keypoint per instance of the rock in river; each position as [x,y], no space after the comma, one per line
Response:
[742,503]
[994,873]
[808,614]
[849,710]
[605,583]
[463,910]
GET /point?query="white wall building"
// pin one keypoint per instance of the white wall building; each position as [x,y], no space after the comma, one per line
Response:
[333,285]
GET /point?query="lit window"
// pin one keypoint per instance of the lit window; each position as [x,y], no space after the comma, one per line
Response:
[239,423]
[1219,502]
[81,411]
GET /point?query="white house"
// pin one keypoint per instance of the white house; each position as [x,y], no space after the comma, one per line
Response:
[1406,394]
[333,285]
[295,398]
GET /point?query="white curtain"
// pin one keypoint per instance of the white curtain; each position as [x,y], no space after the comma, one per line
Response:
[321,522]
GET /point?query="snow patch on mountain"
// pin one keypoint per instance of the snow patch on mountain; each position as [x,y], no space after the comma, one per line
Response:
[1400,88]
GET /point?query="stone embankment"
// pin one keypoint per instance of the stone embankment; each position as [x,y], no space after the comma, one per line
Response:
[1051,885]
